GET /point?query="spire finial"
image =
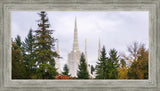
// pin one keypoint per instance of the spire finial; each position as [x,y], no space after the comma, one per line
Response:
[85,46]
[75,22]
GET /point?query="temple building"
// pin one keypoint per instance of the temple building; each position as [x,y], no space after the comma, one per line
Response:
[74,56]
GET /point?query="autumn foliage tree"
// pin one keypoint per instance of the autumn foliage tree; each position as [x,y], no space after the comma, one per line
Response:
[63,77]
[18,67]
[139,67]
[122,70]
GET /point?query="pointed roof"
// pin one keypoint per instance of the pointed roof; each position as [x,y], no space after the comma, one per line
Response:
[86,51]
[99,44]
[75,42]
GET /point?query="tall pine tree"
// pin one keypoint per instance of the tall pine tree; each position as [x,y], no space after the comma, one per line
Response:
[112,64]
[83,72]
[19,43]
[29,42]
[28,58]
[101,65]
[44,51]
[92,69]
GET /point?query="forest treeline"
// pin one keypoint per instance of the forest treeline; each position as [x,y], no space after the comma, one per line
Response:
[34,58]
[121,67]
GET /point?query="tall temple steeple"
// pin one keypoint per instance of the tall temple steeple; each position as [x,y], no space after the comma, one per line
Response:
[57,59]
[86,51]
[74,55]
[99,49]
[75,42]
[86,57]
[57,46]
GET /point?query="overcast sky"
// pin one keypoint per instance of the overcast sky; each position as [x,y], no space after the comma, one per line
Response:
[115,29]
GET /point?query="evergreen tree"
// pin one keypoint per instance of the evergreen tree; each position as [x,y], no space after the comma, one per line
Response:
[101,65]
[66,70]
[28,58]
[18,67]
[19,43]
[112,64]
[44,52]
[92,69]
[123,63]
[29,42]
[83,72]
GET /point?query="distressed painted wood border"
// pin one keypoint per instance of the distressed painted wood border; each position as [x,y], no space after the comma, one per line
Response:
[6,6]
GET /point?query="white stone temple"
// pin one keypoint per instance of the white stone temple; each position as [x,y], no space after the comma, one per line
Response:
[74,56]
[57,65]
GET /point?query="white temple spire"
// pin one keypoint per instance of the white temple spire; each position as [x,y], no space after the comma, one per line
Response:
[86,57]
[99,49]
[57,59]
[74,55]
[57,46]
[75,42]
[86,51]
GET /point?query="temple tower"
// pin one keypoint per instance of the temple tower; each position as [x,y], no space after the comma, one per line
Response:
[75,43]
[86,51]
[86,57]
[88,67]
[99,49]
[74,55]
[57,59]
